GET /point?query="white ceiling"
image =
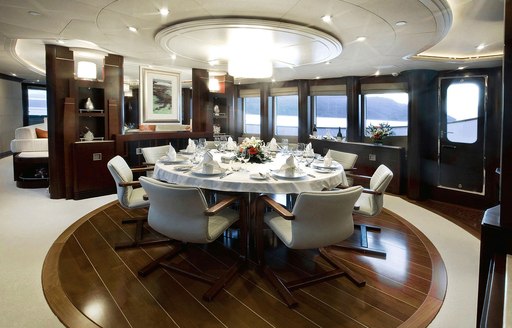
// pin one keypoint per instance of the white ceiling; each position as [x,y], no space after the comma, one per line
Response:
[446,32]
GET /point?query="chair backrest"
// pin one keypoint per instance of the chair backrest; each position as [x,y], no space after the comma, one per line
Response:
[347,160]
[121,172]
[373,204]
[323,218]
[177,211]
[153,154]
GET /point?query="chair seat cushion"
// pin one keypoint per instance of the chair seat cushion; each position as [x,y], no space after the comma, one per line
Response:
[217,224]
[137,199]
[281,227]
[365,205]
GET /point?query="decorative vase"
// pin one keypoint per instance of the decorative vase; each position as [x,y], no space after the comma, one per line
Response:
[88,136]
[89,105]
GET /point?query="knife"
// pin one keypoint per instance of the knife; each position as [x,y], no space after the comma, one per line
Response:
[225,174]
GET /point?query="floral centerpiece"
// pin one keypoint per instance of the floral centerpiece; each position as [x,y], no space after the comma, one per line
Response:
[253,148]
[377,133]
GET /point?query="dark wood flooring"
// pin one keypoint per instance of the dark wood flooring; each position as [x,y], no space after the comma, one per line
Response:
[87,283]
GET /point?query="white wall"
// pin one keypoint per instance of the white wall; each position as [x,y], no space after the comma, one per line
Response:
[11,112]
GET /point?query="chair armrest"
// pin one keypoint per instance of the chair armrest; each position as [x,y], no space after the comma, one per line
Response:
[142,169]
[276,207]
[350,169]
[222,204]
[371,191]
[129,184]
[359,176]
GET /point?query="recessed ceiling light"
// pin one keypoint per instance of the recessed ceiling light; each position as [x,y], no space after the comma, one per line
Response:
[173,56]
[480,46]
[461,67]
[377,73]
[273,80]
[34,13]
[327,18]
[361,39]
[132,29]
[214,62]
[14,74]
[164,11]
[327,63]
[400,23]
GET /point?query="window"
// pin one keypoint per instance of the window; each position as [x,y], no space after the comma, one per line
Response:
[37,102]
[252,115]
[462,100]
[286,115]
[330,114]
[389,107]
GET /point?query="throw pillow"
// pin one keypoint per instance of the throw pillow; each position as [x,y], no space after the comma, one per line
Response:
[41,133]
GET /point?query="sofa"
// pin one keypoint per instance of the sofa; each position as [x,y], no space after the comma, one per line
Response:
[30,156]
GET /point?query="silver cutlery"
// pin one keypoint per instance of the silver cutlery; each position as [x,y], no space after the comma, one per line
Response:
[225,174]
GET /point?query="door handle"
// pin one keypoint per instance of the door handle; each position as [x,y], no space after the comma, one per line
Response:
[449,146]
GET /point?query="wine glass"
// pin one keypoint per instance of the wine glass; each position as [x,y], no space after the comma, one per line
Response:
[216,142]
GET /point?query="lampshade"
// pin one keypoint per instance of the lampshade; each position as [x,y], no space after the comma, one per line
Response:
[86,70]
[213,84]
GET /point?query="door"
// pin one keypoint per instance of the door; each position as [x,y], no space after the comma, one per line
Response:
[461,157]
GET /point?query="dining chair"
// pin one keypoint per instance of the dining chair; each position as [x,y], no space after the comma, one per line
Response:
[130,197]
[347,160]
[182,214]
[153,154]
[318,219]
[370,204]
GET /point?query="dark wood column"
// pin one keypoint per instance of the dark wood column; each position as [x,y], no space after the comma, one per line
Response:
[355,129]
[304,111]
[421,143]
[200,100]
[59,68]
[267,119]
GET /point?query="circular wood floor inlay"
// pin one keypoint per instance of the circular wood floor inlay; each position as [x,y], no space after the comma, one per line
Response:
[88,284]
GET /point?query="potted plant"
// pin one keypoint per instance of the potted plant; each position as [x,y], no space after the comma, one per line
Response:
[377,133]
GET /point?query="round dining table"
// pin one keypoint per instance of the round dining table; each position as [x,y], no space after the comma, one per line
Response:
[253,177]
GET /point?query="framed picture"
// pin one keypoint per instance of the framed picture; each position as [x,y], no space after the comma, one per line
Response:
[160,94]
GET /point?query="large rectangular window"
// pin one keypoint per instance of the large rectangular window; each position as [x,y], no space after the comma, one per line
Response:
[252,115]
[287,115]
[330,114]
[387,103]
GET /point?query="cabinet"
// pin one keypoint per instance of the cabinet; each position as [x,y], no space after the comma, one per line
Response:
[91,110]
[221,106]
[92,177]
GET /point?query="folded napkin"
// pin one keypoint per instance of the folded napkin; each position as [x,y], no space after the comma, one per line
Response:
[308,151]
[289,167]
[272,146]
[208,165]
[328,159]
[230,145]
[191,148]
[171,153]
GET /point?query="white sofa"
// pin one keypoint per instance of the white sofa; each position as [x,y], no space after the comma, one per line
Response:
[26,140]
[30,157]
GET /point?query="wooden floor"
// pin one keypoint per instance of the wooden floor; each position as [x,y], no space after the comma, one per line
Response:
[88,284]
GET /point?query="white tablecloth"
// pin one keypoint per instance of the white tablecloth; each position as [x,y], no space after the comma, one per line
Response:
[242,182]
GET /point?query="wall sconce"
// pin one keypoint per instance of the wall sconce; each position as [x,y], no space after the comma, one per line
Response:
[86,70]
[127,91]
[213,84]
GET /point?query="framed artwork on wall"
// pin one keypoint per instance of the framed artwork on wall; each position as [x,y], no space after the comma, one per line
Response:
[160,94]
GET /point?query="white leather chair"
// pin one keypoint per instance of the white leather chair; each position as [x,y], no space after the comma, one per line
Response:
[182,214]
[318,220]
[153,154]
[130,198]
[347,160]
[370,204]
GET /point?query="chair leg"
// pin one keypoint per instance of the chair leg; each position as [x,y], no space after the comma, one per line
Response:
[351,275]
[363,246]
[138,237]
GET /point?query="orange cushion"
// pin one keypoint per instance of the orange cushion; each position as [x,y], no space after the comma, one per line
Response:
[41,133]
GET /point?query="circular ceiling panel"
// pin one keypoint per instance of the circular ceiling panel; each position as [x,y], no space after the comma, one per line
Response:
[218,41]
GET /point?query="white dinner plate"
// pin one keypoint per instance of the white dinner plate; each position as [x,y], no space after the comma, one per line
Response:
[183,167]
[199,171]
[178,160]
[322,170]
[257,176]
[297,174]
[320,165]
